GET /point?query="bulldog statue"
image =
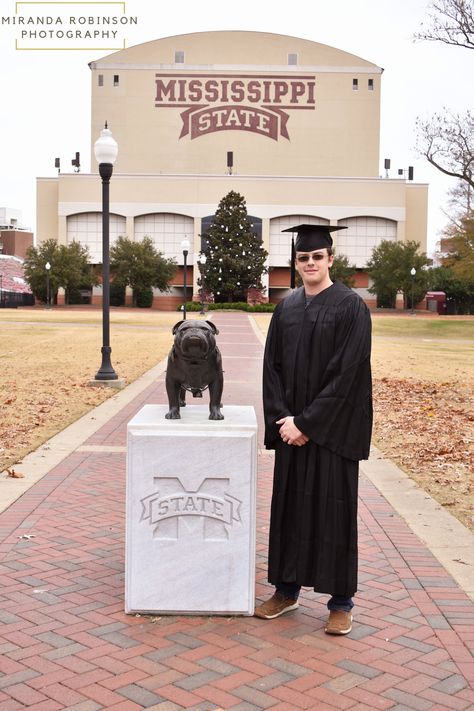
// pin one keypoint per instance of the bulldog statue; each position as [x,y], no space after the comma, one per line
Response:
[194,364]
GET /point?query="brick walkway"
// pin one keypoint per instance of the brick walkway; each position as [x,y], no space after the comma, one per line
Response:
[66,643]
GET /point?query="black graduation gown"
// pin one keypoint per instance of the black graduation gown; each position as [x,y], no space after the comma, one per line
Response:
[317,368]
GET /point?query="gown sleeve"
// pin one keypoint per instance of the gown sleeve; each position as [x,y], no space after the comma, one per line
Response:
[340,415]
[274,402]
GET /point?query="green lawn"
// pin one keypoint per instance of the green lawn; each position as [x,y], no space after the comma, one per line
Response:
[422,327]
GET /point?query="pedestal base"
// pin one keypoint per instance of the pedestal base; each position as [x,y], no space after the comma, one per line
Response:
[190,543]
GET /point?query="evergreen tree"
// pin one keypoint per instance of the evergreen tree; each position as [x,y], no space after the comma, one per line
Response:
[235,258]
[141,266]
[390,269]
[459,292]
[70,268]
[76,270]
[342,270]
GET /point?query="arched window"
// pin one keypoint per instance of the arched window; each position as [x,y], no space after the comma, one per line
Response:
[86,228]
[361,236]
[167,230]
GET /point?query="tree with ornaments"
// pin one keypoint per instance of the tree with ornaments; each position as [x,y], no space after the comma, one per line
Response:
[235,257]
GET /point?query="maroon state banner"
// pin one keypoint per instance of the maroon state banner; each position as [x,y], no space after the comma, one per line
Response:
[199,121]
[229,102]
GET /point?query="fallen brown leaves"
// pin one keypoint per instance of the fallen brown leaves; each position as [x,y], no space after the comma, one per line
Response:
[423,422]
[14,474]
[427,429]
[30,416]
[45,371]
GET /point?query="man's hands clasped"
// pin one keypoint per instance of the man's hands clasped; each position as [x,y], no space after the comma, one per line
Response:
[290,434]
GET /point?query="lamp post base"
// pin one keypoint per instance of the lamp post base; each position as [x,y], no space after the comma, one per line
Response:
[106,370]
[117,384]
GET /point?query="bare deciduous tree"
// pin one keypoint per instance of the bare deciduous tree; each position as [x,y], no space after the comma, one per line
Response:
[451,22]
[446,140]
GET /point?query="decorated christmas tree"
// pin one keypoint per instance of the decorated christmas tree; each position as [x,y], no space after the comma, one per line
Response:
[235,257]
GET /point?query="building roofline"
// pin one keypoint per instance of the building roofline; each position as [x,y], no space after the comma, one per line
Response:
[236,176]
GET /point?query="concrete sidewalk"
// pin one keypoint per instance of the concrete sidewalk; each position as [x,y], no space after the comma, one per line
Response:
[66,643]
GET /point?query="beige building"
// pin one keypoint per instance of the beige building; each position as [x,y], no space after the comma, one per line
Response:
[290,124]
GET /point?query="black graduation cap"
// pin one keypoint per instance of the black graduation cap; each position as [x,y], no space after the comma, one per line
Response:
[309,237]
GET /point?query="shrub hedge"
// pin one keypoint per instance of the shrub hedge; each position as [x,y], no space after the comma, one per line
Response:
[144,298]
[234,306]
[117,294]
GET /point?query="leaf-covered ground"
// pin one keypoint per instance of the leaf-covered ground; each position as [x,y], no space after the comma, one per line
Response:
[423,386]
[427,429]
[47,360]
[424,403]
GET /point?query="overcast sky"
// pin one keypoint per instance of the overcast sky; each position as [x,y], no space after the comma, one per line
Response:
[45,106]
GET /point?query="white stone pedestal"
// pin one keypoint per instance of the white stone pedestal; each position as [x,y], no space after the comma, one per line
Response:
[190,539]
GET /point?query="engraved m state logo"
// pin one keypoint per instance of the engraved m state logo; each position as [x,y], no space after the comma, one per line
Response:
[178,512]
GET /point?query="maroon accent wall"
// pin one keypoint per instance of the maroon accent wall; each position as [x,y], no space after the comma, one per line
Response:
[167,303]
[178,279]
[279,276]
[16,242]
[361,280]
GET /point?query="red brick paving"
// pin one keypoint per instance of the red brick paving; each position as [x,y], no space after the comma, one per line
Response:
[65,642]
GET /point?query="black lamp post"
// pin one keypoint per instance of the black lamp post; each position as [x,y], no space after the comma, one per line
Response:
[105,150]
[413,273]
[185,248]
[202,262]
[47,266]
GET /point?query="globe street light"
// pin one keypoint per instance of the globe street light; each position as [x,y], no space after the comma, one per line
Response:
[412,272]
[105,150]
[185,248]
[202,262]
[47,266]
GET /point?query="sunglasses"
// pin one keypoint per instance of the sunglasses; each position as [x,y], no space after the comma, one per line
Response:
[316,257]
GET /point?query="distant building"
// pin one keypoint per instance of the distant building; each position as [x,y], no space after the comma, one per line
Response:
[9,218]
[14,239]
[291,124]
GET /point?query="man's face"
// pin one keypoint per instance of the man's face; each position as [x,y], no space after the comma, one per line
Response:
[313,267]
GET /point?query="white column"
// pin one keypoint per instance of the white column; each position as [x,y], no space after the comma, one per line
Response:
[266,245]
[130,228]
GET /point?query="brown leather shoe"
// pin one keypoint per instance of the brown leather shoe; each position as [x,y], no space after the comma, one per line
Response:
[277,605]
[339,622]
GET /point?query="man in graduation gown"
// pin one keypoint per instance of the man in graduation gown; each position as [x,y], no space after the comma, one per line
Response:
[318,418]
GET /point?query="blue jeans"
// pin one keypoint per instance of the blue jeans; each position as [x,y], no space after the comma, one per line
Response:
[336,602]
